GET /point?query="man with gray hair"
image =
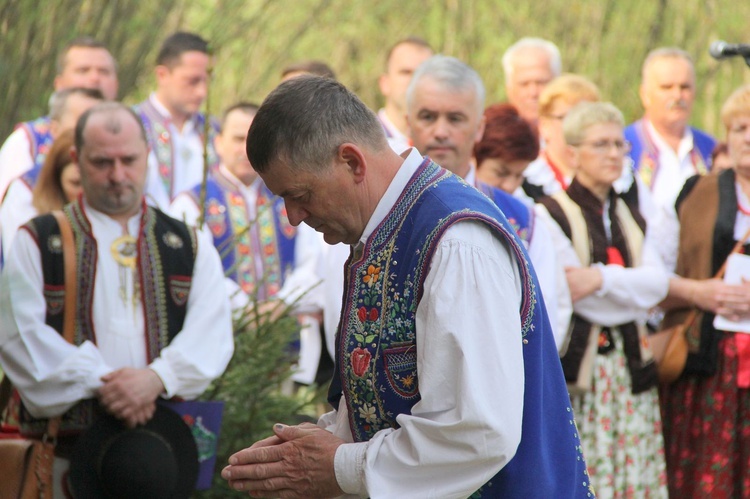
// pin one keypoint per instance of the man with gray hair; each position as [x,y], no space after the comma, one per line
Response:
[666,151]
[444,368]
[445,103]
[529,64]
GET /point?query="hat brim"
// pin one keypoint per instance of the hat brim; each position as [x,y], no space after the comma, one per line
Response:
[83,475]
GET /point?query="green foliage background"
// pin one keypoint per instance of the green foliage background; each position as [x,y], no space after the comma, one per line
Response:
[605,40]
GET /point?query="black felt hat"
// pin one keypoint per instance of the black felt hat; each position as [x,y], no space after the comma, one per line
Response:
[158,459]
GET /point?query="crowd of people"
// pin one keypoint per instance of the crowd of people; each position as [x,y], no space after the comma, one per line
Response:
[490,272]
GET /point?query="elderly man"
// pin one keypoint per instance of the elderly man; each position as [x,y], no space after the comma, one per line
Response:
[529,64]
[171,115]
[443,367]
[665,150]
[402,60]
[149,323]
[84,62]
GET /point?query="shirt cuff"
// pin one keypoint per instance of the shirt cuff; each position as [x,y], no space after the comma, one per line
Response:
[604,289]
[349,466]
[168,379]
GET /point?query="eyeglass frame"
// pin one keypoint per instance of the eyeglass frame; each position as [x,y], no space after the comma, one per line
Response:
[603,146]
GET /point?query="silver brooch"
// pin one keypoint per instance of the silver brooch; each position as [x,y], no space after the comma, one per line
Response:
[173,240]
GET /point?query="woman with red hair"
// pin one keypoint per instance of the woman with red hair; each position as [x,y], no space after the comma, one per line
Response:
[507,147]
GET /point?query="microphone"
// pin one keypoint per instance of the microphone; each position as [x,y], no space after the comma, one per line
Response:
[721,50]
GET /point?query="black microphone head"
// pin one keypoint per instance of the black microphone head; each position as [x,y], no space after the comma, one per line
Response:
[717,49]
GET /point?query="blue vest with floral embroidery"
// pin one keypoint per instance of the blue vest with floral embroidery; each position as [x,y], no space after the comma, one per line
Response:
[238,239]
[515,211]
[40,138]
[376,342]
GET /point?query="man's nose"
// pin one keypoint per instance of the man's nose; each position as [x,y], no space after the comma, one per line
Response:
[295,214]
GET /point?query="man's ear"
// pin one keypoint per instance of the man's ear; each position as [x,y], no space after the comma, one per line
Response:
[384,83]
[643,95]
[161,72]
[354,158]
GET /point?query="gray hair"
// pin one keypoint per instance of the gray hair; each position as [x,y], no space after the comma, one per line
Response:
[664,53]
[451,73]
[59,100]
[305,120]
[553,53]
[587,114]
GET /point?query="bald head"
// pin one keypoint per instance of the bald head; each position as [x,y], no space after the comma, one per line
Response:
[112,154]
[114,114]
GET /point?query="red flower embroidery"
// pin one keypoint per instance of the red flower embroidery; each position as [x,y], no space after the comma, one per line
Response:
[360,360]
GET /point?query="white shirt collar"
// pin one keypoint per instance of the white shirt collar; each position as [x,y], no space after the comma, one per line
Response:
[100,220]
[686,143]
[189,123]
[392,129]
[412,160]
[471,177]
[239,184]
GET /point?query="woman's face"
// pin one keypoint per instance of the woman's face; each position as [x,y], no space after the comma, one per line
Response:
[505,175]
[599,157]
[738,144]
[70,181]
[551,131]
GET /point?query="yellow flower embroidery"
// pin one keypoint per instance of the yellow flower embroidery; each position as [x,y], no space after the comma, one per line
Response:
[408,381]
[373,273]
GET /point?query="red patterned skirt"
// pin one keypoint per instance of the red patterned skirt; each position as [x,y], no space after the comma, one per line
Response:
[707,432]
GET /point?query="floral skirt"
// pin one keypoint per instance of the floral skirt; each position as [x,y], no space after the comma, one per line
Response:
[707,430]
[621,433]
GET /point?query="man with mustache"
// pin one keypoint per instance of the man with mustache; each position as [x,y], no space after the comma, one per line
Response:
[665,150]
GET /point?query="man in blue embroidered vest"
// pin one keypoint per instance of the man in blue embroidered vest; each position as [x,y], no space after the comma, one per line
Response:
[665,150]
[174,125]
[447,381]
[84,62]
[445,103]
[17,205]
[263,255]
[149,323]
[402,60]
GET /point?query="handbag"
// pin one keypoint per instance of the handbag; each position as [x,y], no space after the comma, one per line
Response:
[26,464]
[669,346]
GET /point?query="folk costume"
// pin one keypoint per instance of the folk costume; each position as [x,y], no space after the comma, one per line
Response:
[428,391]
[537,241]
[661,169]
[262,252]
[263,255]
[145,299]
[617,412]
[25,147]
[176,158]
[707,411]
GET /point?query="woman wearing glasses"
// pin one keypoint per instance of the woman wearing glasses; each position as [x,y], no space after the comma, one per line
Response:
[707,411]
[615,277]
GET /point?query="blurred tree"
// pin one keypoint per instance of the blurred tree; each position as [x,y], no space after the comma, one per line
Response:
[254,39]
